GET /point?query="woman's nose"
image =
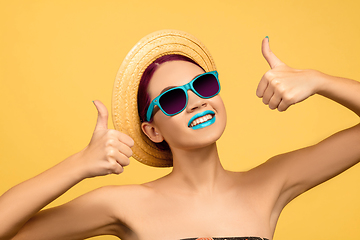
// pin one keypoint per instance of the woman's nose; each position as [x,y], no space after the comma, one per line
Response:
[194,101]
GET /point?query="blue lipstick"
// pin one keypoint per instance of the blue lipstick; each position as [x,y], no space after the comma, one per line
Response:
[204,124]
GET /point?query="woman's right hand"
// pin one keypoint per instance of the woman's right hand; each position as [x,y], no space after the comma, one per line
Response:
[108,151]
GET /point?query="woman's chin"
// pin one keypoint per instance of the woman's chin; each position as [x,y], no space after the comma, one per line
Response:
[197,141]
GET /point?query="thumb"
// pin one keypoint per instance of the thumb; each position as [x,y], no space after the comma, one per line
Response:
[102,121]
[270,57]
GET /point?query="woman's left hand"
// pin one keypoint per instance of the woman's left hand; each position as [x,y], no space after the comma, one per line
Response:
[283,86]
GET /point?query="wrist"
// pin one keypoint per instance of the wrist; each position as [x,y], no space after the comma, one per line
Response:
[75,166]
[322,81]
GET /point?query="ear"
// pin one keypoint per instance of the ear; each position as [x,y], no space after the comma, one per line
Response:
[151,131]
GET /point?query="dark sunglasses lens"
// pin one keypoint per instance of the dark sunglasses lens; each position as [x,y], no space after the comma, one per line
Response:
[206,85]
[173,101]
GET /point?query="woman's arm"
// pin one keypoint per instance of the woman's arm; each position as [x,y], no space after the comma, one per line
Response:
[298,171]
[107,153]
[89,215]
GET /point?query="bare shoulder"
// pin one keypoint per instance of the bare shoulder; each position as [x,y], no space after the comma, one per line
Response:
[123,193]
[125,199]
[113,198]
[261,176]
[264,182]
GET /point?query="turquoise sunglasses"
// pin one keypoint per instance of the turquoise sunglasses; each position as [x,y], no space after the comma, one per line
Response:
[174,100]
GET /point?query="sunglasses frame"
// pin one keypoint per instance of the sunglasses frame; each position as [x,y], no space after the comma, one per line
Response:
[185,88]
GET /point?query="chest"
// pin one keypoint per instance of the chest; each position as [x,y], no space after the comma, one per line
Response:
[176,217]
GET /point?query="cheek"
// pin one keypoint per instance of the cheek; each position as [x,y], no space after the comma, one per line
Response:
[220,110]
[218,105]
[173,129]
[168,126]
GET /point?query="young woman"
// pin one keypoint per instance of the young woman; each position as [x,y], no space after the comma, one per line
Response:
[199,199]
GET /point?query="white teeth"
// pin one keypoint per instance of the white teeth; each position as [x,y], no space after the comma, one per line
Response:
[201,120]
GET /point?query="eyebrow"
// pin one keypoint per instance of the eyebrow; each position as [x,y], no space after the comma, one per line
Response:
[167,88]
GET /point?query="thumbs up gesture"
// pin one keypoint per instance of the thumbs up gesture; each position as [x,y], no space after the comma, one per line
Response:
[109,150]
[283,86]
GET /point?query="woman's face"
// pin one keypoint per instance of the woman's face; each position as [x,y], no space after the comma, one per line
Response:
[175,129]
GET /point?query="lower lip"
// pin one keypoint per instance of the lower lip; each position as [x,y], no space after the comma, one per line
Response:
[204,124]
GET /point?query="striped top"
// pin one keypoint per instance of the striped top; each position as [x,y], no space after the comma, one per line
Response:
[226,238]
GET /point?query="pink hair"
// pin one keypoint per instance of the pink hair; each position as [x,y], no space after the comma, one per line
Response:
[143,98]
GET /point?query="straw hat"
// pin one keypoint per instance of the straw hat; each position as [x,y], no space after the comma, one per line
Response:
[124,99]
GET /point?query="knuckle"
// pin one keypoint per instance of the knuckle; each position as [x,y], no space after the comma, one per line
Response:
[108,135]
[269,75]
[116,168]
[111,132]
[281,90]
[288,98]
[113,166]
[110,142]
[275,82]
[110,152]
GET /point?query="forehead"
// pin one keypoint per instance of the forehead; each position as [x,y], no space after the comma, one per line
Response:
[173,73]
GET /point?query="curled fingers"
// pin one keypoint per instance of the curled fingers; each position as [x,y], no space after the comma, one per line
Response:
[122,137]
[274,101]
[119,151]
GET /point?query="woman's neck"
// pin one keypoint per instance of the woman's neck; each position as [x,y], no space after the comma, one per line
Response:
[197,170]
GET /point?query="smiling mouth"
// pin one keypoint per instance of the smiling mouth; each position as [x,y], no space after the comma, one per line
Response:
[200,120]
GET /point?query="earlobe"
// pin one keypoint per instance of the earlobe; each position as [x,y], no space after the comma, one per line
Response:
[151,132]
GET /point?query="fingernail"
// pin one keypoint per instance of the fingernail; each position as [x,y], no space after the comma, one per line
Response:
[268,38]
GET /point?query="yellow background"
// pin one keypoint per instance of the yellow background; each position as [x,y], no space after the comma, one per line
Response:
[58,56]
